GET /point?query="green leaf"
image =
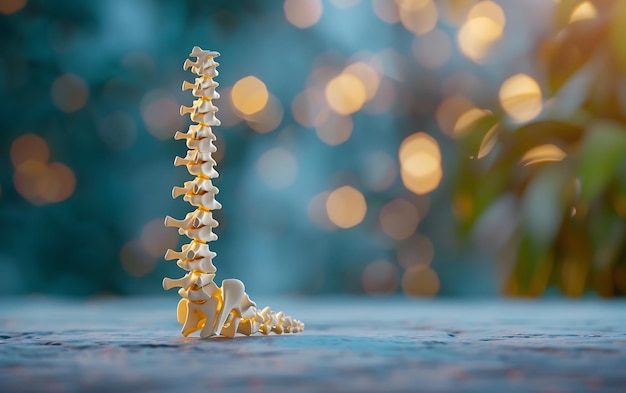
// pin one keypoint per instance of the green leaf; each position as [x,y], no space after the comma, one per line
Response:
[604,148]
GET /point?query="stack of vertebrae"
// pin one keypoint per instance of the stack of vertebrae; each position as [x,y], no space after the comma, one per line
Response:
[204,306]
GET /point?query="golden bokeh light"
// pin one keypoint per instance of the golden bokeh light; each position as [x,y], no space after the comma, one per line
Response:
[156,238]
[368,76]
[542,153]
[399,219]
[386,10]
[316,211]
[268,118]
[335,130]
[277,168]
[29,147]
[449,111]
[486,21]
[346,207]
[345,94]
[482,29]
[379,278]
[416,250]
[41,183]
[418,16]
[69,93]
[135,261]
[455,11]
[160,114]
[468,119]
[420,163]
[584,10]
[303,13]
[433,49]
[31,180]
[420,281]
[520,97]
[249,95]
[11,6]
[61,184]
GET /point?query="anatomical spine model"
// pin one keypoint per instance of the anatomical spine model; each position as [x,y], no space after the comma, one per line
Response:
[204,306]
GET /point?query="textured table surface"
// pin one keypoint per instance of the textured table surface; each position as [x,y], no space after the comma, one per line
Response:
[351,345]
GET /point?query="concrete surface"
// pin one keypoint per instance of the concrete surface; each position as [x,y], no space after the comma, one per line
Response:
[349,345]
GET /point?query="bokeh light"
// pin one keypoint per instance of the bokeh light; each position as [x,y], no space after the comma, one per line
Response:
[69,93]
[160,113]
[467,120]
[520,97]
[345,94]
[11,6]
[420,281]
[268,118]
[420,163]
[379,277]
[367,74]
[584,10]
[249,95]
[418,16]
[303,13]
[482,29]
[346,207]
[399,219]
[449,111]
[309,107]
[543,153]
[29,147]
[384,99]
[317,213]
[277,168]
[386,10]
[42,183]
[335,130]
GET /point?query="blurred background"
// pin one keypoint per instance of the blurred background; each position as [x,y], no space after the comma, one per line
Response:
[416,147]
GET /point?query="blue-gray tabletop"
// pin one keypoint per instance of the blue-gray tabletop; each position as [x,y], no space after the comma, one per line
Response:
[349,345]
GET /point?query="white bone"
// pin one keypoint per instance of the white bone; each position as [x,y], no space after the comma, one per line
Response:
[203,233]
[195,219]
[196,186]
[204,145]
[202,53]
[204,169]
[202,264]
[206,200]
[206,118]
[204,306]
[198,106]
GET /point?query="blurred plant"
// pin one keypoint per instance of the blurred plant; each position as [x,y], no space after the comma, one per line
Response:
[546,182]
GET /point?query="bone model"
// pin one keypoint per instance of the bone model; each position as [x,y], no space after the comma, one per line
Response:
[204,306]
